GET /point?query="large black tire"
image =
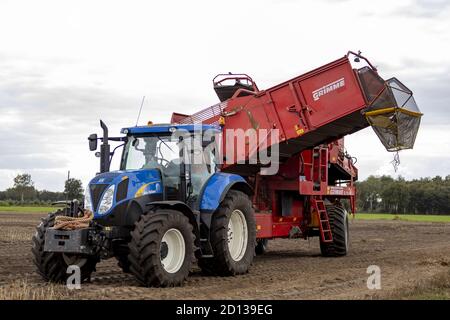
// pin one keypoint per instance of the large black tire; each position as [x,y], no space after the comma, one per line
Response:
[52,266]
[222,263]
[339,228]
[147,250]
[261,246]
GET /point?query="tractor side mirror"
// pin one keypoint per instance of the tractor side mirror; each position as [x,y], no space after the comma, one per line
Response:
[93,142]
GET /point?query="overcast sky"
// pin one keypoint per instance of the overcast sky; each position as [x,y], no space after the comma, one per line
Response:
[66,64]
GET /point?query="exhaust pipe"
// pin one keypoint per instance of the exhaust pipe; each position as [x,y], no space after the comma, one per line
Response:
[105,150]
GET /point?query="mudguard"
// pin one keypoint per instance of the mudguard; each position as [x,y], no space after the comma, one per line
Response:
[217,187]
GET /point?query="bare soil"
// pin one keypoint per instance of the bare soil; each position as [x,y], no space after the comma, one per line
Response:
[410,255]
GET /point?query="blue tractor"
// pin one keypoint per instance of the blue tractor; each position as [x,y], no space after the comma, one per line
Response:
[158,214]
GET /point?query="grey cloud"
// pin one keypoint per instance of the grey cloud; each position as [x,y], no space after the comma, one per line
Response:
[423,9]
[75,103]
[47,179]
[51,120]
[433,98]
[32,161]
[411,166]
[39,102]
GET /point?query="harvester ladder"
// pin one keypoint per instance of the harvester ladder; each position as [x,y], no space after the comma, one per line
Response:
[324,221]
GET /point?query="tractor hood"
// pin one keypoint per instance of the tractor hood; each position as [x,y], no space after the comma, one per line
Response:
[109,189]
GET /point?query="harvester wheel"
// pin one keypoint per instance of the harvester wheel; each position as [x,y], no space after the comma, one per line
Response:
[161,249]
[233,237]
[52,266]
[261,246]
[339,228]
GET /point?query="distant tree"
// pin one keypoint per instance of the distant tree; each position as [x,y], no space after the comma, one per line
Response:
[23,180]
[73,188]
[24,186]
[395,196]
[369,193]
[418,196]
[50,196]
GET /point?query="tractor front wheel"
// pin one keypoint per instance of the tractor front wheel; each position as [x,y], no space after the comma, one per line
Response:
[338,218]
[161,249]
[232,236]
[52,266]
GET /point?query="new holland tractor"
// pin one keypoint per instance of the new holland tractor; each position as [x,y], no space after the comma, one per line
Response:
[186,192]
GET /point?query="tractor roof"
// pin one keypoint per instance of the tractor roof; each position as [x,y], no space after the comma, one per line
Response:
[167,127]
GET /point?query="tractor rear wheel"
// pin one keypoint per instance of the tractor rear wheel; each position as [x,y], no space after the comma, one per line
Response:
[232,236]
[161,249]
[338,218]
[52,266]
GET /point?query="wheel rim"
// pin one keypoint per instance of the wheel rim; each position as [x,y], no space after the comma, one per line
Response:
[173,250]
[74,260]
[237,235]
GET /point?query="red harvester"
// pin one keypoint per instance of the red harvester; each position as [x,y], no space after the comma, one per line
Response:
[312,113]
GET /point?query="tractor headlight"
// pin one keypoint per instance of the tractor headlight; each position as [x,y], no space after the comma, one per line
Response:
[87,199]
[107,200]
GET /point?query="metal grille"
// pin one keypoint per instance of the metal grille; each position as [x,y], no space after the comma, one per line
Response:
[122,189]
[96,193]
[209,115]
[371,83]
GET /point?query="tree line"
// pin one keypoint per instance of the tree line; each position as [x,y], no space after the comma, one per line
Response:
[399,196]
[23,192]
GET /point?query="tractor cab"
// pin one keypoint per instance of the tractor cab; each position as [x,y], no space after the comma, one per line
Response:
[165,162]
[183,155]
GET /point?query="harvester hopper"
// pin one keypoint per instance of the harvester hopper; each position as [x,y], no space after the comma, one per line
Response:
[392,112]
